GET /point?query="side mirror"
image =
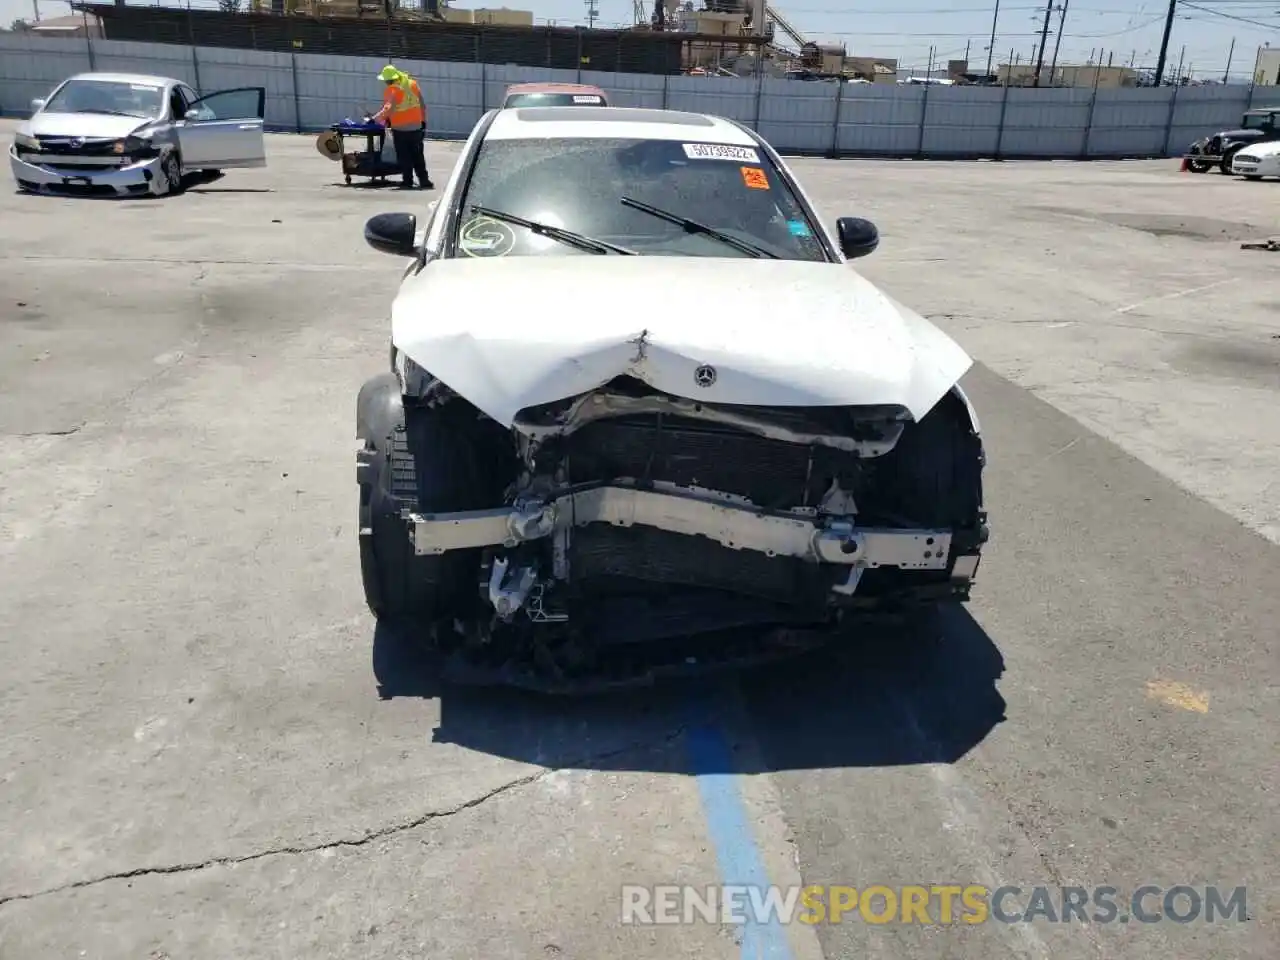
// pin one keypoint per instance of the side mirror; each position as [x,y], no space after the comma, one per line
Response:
[858,237]
[394,233]
[191,115]
[37,106]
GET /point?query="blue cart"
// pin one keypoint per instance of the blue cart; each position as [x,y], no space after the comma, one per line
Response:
[369,162]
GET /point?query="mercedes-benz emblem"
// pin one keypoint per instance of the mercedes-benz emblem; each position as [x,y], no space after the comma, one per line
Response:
[77,141]
[705,375]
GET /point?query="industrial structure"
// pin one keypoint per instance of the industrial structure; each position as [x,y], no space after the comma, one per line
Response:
[1266,70]
[749,35]
[1102,76]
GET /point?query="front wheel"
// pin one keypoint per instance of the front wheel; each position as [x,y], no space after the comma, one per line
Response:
[171,173]
[1198,166]
[420,460]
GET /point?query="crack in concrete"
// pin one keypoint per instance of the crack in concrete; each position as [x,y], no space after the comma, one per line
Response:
[52,433]
[350,843]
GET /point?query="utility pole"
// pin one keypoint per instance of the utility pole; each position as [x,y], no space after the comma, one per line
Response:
[1062,22]
[1226,74]
[1164,41]
[1044,37]
[593,13]
[1181,57]
[991,50]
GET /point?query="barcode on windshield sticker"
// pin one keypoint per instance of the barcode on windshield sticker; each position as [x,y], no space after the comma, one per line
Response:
[586,99]
[720,151]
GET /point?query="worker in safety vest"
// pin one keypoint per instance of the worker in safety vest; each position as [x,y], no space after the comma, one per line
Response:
[404,113]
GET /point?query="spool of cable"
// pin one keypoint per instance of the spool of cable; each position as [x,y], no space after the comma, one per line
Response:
[330,145]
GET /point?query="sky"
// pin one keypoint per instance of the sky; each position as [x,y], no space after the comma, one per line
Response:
[906,29]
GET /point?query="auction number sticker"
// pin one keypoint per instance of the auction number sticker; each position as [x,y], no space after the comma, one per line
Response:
[720,151]
[586,99]
[754,178]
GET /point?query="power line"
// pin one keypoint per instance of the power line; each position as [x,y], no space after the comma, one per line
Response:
[1228,16]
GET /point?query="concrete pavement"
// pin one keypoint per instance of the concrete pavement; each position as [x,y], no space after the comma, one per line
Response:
[210,752]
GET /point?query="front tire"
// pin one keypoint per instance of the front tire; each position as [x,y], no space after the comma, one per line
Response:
[171,173]
[421,460]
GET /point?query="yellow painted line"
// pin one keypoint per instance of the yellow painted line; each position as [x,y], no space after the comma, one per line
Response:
[1176,694]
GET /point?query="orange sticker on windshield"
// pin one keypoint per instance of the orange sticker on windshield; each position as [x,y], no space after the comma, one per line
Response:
[754,178]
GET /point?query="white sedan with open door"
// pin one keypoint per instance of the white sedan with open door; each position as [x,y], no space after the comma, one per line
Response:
[123,134]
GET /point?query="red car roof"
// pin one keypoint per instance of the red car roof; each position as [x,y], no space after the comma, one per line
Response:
[582,88]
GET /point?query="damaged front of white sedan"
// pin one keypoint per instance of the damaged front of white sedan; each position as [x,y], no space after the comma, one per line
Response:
[642,418]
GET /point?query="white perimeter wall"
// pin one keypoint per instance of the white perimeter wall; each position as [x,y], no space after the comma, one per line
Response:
[310,91]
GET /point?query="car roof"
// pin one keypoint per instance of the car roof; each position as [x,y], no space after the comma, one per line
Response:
[554,88]
[630,123]
[1262,110]
[125,78]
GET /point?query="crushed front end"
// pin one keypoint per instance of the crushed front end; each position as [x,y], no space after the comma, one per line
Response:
[648,534]
[89,166]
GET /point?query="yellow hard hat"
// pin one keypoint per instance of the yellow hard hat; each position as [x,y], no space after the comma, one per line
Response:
[388,74]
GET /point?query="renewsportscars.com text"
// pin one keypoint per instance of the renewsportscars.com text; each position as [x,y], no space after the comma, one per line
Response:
[931,904]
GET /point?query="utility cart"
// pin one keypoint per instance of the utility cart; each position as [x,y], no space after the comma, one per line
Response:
[370,162]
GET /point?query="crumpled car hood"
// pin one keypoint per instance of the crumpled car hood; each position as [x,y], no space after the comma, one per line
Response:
[88,125]
[511,333]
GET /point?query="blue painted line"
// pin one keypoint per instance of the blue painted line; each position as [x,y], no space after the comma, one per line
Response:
[733,838]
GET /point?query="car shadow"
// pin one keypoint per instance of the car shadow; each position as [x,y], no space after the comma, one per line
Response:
[923,695]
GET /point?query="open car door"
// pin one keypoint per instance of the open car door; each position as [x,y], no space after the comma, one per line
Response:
[224,130]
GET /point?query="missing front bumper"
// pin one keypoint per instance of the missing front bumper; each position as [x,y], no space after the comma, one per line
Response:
[129,179]
[733,525]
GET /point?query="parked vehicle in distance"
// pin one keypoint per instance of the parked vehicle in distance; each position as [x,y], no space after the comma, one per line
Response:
[1256,126]
[1257,161]
[554,95]
[126,134]
[643,418]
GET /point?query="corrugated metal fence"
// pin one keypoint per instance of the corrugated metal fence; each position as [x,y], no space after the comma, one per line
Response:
[310,91]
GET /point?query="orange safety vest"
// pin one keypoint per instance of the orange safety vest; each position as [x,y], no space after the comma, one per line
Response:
[407,109]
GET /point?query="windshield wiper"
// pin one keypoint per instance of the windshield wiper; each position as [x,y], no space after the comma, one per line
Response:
[693,226]
[112,113]
[567,237]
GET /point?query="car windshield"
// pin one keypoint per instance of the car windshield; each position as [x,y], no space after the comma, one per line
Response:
[108,96]
[554,100]
[1255,121]
[599,188]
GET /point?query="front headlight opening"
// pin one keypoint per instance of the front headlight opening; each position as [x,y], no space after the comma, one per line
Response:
[25,142]
[135,147]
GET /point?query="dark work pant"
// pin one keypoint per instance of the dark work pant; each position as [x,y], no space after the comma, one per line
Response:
[409,154]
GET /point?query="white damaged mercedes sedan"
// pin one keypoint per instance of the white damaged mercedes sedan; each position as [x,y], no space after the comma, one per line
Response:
[642,418]
[124,134]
